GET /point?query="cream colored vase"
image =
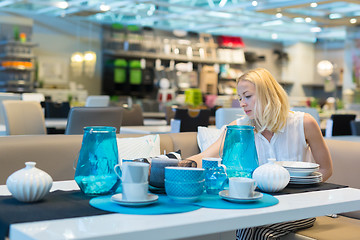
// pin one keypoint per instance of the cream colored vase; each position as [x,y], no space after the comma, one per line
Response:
[271,177]
[29,184]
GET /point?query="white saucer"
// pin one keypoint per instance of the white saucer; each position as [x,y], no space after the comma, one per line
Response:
[118,198]
[225,195]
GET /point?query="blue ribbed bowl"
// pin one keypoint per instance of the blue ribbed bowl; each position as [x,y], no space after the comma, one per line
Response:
[184,191]
[184,174]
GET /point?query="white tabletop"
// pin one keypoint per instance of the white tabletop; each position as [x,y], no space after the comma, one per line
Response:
[200,222]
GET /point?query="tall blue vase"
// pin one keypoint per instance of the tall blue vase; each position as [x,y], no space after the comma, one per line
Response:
[239,152]
[98,155]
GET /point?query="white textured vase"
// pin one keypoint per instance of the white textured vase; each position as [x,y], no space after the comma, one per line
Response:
[271,177]
[29,184]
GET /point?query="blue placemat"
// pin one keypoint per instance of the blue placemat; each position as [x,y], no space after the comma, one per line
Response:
[215,201]
[163,206]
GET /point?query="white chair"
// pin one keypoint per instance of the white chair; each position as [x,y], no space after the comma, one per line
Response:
[312,111]
[37,97]
[24,117]
[224,116]
[6,96]
[97,101]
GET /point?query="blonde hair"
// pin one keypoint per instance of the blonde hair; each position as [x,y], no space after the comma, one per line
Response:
[271,106]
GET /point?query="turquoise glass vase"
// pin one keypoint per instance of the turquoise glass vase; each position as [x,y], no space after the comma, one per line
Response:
[98,155]
[239,152]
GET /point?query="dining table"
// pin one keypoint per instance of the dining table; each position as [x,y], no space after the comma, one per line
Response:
[193,224]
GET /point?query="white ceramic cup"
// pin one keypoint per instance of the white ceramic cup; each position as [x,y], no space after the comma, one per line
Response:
[240,187]
[135,191]
[133,172]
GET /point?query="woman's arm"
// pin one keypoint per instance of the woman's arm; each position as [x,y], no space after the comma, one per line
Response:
[318,146]
[212,151]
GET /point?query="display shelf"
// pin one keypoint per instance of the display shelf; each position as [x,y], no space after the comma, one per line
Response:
[16,69]
[17,62]
[26,44]
[17,55]
[169,57]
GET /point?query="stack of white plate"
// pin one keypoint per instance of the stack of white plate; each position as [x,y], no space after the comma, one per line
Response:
[302,172]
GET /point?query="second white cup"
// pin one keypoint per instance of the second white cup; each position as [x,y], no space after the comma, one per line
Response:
[135,191]
[240,187]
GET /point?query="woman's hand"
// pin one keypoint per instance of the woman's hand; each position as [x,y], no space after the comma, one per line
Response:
[187,163]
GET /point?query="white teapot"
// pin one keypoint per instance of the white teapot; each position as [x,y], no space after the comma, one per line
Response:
[29,184]
[271,177]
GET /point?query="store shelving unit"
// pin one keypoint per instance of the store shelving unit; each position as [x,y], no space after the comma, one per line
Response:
[17,66]
[155,46]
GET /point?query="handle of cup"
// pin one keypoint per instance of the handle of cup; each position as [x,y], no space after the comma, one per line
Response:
[116,172]
[223,166]
[255,185]
[224,184]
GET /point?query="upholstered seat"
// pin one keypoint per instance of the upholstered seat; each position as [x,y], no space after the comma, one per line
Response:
[80,117]
[97,101]
[192,118]
[339,125]
[355,128]
[224,116]
[23,117]
[133,116]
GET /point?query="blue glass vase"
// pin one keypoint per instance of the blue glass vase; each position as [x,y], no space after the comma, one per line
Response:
[95,173]
[239,152]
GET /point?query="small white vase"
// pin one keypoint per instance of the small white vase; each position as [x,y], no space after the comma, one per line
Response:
[271,177]
[29,184]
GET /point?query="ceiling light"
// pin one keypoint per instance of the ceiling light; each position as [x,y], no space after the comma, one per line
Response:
[353,20]
[298,20]
[308,19]
[77,57]
[313,5]
[179,33]
[279,15]
[272,23]
[104,7]
[254,3]
[90,56]
[325,68]
[335,15]
[219,14]
[62,5]
[315,29]
[274,36]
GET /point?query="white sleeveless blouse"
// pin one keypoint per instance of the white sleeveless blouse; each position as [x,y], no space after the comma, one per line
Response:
[288,144]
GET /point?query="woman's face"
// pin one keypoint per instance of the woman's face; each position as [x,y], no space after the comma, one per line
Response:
[247,97]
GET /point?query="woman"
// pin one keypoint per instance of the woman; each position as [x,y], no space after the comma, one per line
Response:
[279,133]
